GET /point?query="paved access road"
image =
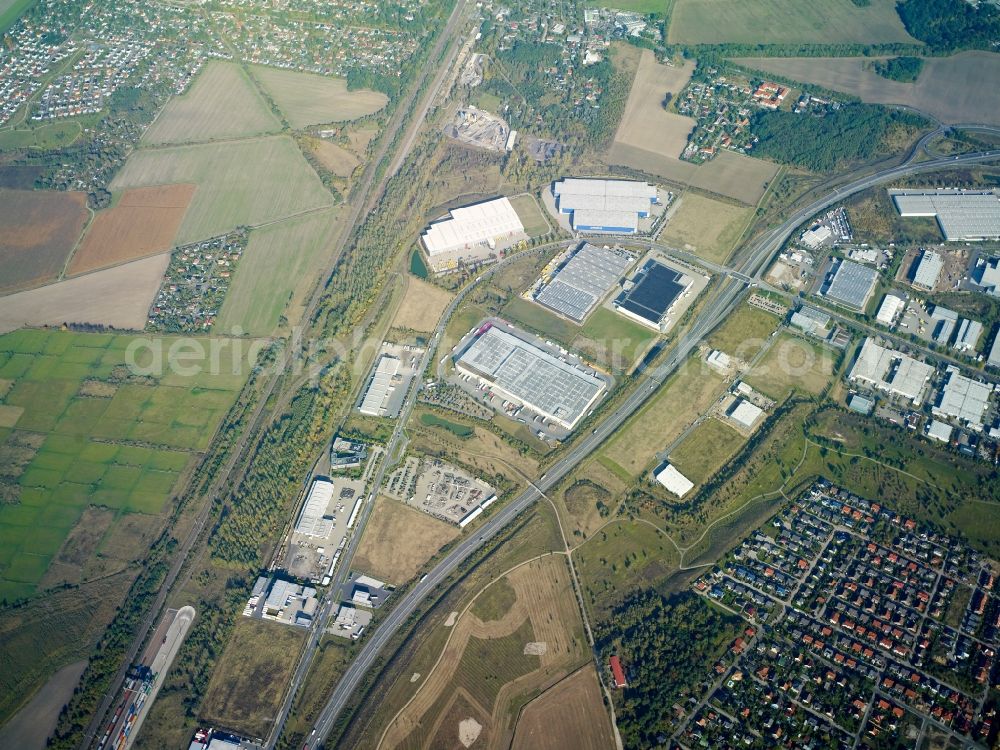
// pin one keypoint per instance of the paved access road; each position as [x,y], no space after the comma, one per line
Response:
[751,265]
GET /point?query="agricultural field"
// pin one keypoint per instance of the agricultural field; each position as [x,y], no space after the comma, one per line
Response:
[337,159]
[568,716]
[222,103]
[309,99]
[398,540]
[645,123]
[530,213]
[623,556]
[679,402]
[487,670]
[94,431]
[785,22]
[250,679]
[143,222]
[422,306]
[949,88]
[744,333]
[650,139]
[118,297]
[280,265]
[242,183]
[706,449]
[707,227]
[793,364]
[40,230]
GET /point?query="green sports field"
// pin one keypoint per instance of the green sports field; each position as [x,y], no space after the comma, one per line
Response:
[92,432]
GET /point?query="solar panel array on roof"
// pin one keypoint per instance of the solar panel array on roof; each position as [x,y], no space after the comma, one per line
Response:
[852,284]
[654,291]
[583,280]
[532,376]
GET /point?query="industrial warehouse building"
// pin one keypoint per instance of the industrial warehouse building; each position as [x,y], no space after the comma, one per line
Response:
[963,398]
[604,206]
[892,372]
[472,234]
[851,284]
[520,370]
[675,482]
[928,270]
[580,283]
[963,215]
[381,387]
[651,294]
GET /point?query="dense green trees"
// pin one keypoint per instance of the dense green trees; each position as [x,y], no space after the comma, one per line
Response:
[854,132]
[905,69]
[949,25]
[666,646]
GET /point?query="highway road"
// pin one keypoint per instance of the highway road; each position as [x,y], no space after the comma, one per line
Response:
[751,264]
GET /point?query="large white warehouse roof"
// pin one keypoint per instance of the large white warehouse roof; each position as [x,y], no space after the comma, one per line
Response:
[891,371]
[962,215]
[604,205]
[674,481]
[480,224]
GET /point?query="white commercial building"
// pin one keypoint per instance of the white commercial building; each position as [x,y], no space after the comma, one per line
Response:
[605,206]
[968,335]
[939,431]
[892,372]
[745,413]
[312,521]
[674,481]
[963,215]
[890,309]
[928,269]
[963,398]
[522,371]
[813,238]
[993,358]
[381,387]
[471,230]
[987,275]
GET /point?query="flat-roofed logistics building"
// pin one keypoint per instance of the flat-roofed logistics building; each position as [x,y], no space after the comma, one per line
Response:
[524,372]
[674,481]
[381,387]
[928,269]
[963,215]
[963,398]
[651,294]
[472,233]
[851,284]
[891,371]
[890,309]
[580,283]
[604,206]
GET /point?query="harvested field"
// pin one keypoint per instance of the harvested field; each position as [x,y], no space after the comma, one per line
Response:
[398,540]
[744,333]
[243,183]
[222,103]
[117,297]
[949,88]
[785,22]
[531,215]
[144,222]
[486,663]
[645,123]
[33,724]
[707,227]
[704,451]
[568,716]
[251,677]
[651,140]
[309,99]
[40,229]
[337,159]
[729,174]
[281,263]
[422,306]
[680,401]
